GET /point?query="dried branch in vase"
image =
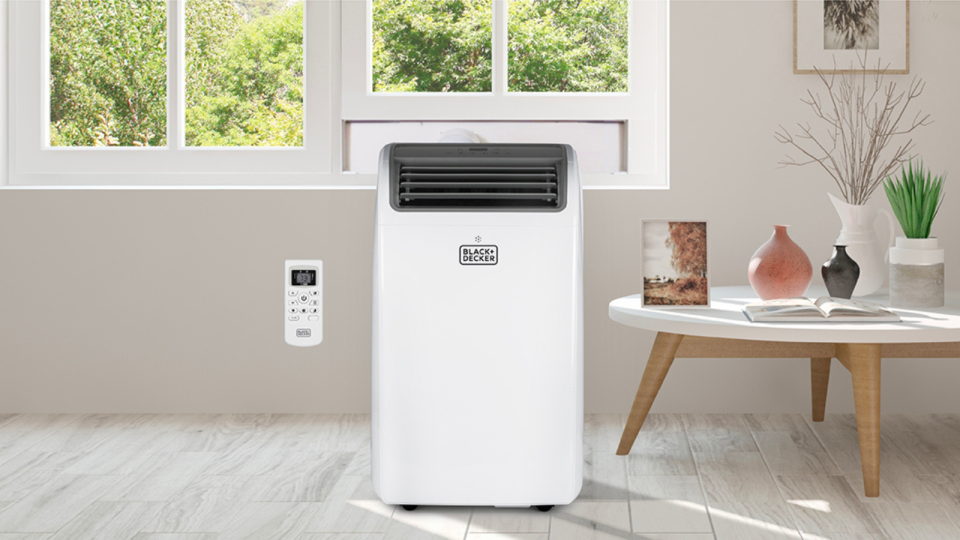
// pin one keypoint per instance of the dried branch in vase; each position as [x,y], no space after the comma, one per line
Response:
[863,115]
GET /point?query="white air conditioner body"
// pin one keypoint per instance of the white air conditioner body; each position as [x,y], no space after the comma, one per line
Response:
[477,360]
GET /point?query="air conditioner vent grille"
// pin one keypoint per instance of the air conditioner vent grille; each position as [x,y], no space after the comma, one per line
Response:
[489,186]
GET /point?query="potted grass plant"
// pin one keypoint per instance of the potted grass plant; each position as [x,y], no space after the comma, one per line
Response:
[916,262]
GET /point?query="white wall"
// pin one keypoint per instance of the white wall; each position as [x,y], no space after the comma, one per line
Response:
[167,301]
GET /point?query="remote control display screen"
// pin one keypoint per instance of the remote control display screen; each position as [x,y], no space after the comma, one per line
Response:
[303,278]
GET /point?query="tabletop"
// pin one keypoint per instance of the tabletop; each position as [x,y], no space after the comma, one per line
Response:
[724,319]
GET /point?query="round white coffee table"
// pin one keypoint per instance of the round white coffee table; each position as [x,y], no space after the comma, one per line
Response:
[722,331]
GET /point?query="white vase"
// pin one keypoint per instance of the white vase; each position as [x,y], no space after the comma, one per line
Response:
[863,246]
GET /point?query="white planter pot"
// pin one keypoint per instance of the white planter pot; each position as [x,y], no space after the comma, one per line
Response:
[916,273]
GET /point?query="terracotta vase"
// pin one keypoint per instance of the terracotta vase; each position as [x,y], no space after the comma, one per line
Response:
[780,268]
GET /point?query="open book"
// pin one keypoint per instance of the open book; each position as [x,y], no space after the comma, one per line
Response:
[824,309]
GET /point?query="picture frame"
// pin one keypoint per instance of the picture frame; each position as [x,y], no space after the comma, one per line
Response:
[827,40]
[673,275]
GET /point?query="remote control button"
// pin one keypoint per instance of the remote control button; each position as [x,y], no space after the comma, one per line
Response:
[303,310]
[292,302]
[314,292]
[314,317]
[303,298]
[314,310]
[314,302]
[292,310]
[291,293]
[294,317]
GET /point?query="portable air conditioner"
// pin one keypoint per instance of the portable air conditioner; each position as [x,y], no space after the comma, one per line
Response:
[477,358]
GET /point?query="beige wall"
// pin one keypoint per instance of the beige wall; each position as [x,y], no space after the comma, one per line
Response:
[167,300]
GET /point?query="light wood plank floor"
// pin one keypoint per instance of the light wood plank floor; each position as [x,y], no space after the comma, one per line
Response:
[306,477]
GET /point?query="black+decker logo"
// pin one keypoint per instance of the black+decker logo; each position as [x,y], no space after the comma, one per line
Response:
[478,255]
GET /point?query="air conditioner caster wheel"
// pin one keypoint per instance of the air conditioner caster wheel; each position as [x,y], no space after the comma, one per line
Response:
[544,507]
[409,507]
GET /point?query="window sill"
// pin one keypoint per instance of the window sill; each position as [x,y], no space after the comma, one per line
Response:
[322,182]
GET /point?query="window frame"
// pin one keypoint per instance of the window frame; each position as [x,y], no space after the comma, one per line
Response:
[32,161]
[643,108]
[330,102]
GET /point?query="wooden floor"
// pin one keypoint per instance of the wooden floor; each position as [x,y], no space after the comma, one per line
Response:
[306,477]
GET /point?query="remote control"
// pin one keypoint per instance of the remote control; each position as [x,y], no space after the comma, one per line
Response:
[303,302]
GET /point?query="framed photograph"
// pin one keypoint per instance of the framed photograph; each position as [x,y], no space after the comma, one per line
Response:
[837,35]
[673,263]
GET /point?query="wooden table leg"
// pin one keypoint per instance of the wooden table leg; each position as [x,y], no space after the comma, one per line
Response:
[661,357]
[863,361]
[819,380]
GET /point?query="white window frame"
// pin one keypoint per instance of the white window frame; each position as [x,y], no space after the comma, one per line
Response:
[336,91]
[33,162]
[643,109]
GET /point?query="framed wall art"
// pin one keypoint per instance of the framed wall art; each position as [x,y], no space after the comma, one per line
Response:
[851,36]
[673,263]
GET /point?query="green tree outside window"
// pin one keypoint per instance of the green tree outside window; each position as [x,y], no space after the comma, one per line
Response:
[244,73]
[568,45]
[553,45]
[108,73]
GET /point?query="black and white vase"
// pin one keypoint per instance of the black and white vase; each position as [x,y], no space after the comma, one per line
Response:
[840,273]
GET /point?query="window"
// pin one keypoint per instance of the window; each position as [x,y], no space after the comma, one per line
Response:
[433,46]
[579,64]
[303,92]
[153,92]
[447,45]
[119,96]
[243,83]
[244,73]
[564,46]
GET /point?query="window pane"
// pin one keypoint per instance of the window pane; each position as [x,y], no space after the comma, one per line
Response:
[568,45]
[432,46]
[108,73]
[244,73]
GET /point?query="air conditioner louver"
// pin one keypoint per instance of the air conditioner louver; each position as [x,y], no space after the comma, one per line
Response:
[478,178]
[478,187]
